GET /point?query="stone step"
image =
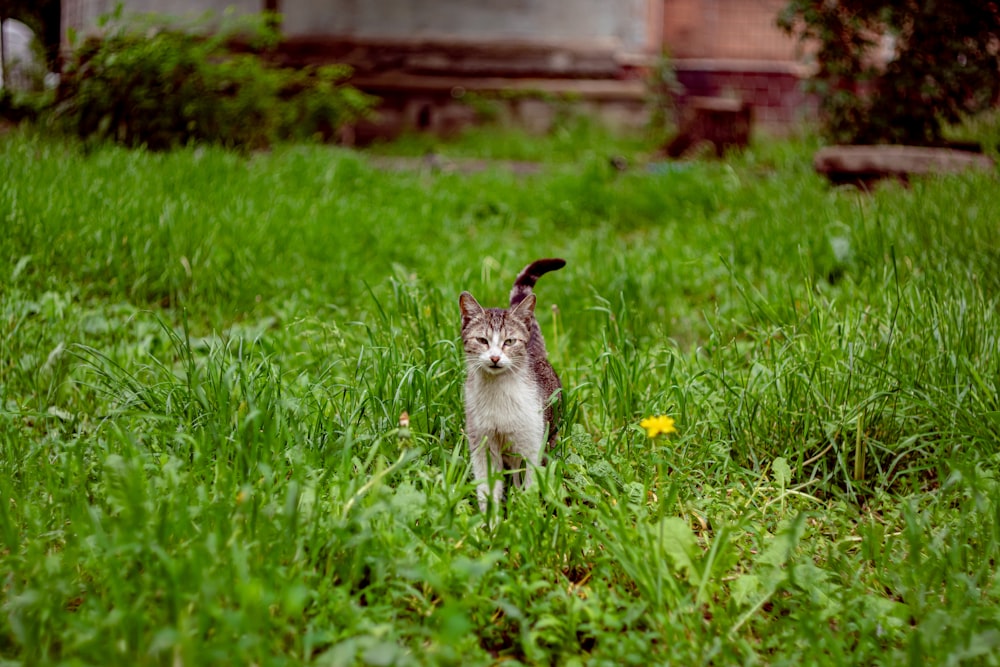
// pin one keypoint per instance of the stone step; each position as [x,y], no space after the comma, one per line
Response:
[843,164]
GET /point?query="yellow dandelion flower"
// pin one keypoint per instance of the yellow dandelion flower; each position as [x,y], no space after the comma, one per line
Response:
[656,425]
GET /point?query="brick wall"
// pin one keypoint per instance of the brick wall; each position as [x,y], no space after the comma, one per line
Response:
[777,96]
[734,48]
[726,29]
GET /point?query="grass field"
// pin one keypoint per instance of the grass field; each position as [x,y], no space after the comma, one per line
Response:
[204,357]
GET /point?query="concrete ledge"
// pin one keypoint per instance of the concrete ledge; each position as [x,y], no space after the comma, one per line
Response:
[736,65]
[480,58]
[590,89]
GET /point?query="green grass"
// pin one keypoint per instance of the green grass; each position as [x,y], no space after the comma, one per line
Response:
[571,139]
[203,360]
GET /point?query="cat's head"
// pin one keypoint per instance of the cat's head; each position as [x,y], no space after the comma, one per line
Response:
[496,339]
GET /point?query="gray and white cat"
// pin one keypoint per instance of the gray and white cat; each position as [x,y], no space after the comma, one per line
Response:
[509,384]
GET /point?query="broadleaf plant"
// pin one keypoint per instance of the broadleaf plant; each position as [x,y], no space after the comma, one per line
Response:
[898,72]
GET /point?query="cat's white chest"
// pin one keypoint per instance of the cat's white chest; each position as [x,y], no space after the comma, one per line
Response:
[505,405]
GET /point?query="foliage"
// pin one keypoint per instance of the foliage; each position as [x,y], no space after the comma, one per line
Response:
[166,86]
[17,106]
[204,357]
[943,65]
[572,138]
[664,89]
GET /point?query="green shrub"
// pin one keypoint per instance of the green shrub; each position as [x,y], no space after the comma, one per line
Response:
[944,65]
[664,90]
[23,106]
[162,87]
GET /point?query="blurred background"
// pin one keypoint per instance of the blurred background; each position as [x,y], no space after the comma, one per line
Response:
[863,72]
[423,57]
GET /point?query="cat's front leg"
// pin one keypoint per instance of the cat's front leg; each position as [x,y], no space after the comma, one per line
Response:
[529,449]
[487,462]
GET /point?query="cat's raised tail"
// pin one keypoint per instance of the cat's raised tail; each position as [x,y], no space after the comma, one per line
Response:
[529,276]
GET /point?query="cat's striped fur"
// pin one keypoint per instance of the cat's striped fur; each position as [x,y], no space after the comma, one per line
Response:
[510,386]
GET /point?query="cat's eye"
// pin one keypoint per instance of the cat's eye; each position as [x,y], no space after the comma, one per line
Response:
[510,342]
[483,341]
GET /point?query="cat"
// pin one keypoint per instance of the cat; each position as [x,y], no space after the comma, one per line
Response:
[509,386]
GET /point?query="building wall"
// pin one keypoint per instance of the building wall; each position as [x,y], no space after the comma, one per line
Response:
[608,23]
[718,47]
[631,26]
[717,29]
[726,29]
[82,15]
[734,48]
[182,7]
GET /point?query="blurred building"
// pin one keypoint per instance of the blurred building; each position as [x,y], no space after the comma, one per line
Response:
[437,62]
[734,48]
[20,68]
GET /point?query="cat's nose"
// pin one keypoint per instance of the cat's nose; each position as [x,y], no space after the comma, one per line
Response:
[495,359]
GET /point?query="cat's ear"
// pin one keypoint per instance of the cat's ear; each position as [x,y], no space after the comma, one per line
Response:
[470,307]
[525,309]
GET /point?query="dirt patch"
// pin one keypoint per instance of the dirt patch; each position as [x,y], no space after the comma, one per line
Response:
[438,164]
